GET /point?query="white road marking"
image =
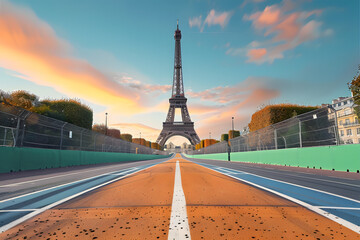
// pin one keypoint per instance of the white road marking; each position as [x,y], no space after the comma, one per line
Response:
[293,184]
[179,226]
[18,210]
[57,176]
[38,211]
[121,173]
[316,209]
[345,208]
[293,175]
[297,175]
[109,173]
[227,171]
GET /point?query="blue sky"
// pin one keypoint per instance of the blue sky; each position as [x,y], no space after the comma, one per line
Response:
[237,56]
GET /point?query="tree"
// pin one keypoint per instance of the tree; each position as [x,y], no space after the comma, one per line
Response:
[73,110]
[20,98]
[233,134]
[272,114]
[225,137]
[354,87]
[126,137]
[100,128]
[112,132]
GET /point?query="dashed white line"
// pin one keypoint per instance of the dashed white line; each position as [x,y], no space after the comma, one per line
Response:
[179,225]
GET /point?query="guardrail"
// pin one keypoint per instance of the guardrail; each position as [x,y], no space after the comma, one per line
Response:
[316,128]
[22,128]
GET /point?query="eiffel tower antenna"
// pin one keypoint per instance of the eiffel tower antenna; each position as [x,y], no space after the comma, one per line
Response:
[184,128]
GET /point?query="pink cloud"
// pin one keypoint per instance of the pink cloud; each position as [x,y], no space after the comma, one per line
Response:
[254,93]
[30,48]
[256,54]
[213,18]
[269,16]
[287,31]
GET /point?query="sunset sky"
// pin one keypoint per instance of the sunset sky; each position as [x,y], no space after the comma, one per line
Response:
[117,56]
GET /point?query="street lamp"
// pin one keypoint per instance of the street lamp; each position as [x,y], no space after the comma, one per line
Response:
[209,135]
[106,114]
[232,123]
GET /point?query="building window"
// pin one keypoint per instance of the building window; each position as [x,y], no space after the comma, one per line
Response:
[341,122]
[348,132]
[347,111]
[342,133]
[358,131]
[347,121]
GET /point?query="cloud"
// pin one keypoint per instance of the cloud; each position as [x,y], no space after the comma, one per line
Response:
[213,18]
[269,16]
[143,87]
[195,21]
[240,101]
[287,30]
[30,47]
[256,54]
[199,109]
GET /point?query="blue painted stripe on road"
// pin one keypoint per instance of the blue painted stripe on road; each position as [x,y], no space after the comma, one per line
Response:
[349,215]
[7,217]
[310,196]
[46,197]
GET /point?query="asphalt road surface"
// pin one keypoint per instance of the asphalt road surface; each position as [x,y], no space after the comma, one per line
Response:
[178,199]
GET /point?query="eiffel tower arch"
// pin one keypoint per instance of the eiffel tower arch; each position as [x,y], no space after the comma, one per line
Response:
[185,127]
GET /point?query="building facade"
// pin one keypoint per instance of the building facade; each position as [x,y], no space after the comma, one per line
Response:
[347,120]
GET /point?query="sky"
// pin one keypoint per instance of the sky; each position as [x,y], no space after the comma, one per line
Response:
[237,56]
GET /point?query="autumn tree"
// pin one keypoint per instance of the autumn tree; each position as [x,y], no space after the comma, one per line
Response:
[354,87]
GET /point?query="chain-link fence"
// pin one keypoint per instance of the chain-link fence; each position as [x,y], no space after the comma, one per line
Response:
[334,124]
[22,128]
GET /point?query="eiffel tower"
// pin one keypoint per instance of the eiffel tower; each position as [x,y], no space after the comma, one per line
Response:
[184,128]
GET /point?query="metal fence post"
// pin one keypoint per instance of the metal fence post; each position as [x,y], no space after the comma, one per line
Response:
[81,139]
[17,132]
[95,142]
[275,138]
[4,142]
[300,137]
[22,136]
[61,135]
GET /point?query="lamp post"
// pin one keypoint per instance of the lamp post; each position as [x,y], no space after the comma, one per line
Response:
[209,135]
[232,124]
[106,114]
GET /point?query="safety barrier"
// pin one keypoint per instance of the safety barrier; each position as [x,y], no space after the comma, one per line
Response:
[22,159]
[339,158]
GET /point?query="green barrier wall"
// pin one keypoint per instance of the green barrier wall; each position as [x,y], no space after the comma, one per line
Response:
[21,159]
[339,158]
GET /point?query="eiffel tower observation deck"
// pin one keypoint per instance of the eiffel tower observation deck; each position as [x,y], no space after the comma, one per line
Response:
[185,127]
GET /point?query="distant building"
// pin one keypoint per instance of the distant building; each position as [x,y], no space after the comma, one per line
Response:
[347,120]
[170,145]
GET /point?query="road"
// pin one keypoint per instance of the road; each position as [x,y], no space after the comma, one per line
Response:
[180,199]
